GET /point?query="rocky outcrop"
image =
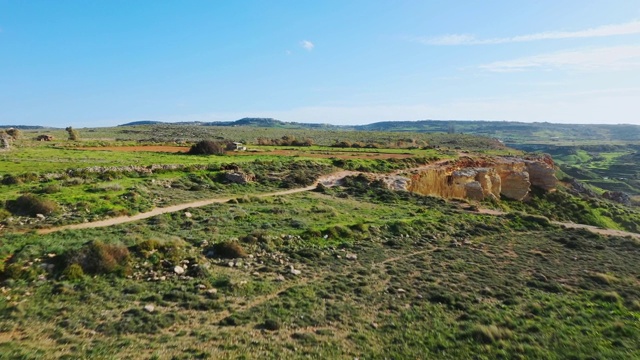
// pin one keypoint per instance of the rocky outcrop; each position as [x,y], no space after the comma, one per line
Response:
[239,177]
[541,175]
[478,179]
[515,184]
[618,196]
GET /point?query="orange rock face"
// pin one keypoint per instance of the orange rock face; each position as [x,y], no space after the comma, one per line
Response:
[481,179]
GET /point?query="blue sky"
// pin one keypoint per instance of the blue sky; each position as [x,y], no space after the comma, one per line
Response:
[101,63]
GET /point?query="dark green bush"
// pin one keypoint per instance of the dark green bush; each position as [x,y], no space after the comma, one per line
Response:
[11,180]
[229,250]
[208,147]
[30,205]
[271,325]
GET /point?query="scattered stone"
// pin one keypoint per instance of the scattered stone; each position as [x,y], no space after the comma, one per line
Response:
[201,286]
[188,215]
[149,308]
[239,177]
[40,216]
[618,196]
[178,270]
[280,278]
[231,264]
[374,325]
[212,291]
[295,271]
[351,256]
[401,291]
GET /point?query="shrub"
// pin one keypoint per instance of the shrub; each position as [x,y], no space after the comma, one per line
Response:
[99,258]
[17,271]
[271,325]
[73,133]
[11,180]
[14,133]
[229,250]
[148,245]
[73,272]
[4,214]
[207,147]
[30,205]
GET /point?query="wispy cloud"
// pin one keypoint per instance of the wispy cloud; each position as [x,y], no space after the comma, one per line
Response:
[628,28]
[607,58]
[307,45]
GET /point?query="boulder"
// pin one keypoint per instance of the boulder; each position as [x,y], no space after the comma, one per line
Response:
[239,177]
[489,181]
[474,191]
[515,184]
[541,175]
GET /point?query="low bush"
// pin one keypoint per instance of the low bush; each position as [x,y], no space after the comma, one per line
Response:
[100,258]
[73,272]
[229,250]
[208,147]
[11,180]
[30,205]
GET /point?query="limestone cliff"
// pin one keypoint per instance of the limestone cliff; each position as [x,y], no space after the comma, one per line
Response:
[478,179]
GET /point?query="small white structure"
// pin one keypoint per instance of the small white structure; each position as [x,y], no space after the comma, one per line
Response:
[237,146]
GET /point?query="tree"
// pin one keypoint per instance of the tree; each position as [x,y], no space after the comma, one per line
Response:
[73,133]
[207,147]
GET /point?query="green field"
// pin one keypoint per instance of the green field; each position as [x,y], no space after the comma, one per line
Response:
[350,271]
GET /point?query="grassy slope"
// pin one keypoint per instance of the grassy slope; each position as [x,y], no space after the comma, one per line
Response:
[428,281]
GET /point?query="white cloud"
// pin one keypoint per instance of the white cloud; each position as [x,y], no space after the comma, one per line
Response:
[307,45]
[590,59]
[629,28]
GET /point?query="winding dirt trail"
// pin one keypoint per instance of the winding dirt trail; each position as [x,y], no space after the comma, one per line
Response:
[327,180]
[594,229]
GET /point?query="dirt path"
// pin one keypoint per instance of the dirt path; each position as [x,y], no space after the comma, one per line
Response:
[328,180]
[595,229]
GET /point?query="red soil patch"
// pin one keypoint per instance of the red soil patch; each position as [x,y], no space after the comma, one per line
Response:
[151,148]
[312,154]
[329,154]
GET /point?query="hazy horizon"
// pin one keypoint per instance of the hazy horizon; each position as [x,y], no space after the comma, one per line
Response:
[102,64]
